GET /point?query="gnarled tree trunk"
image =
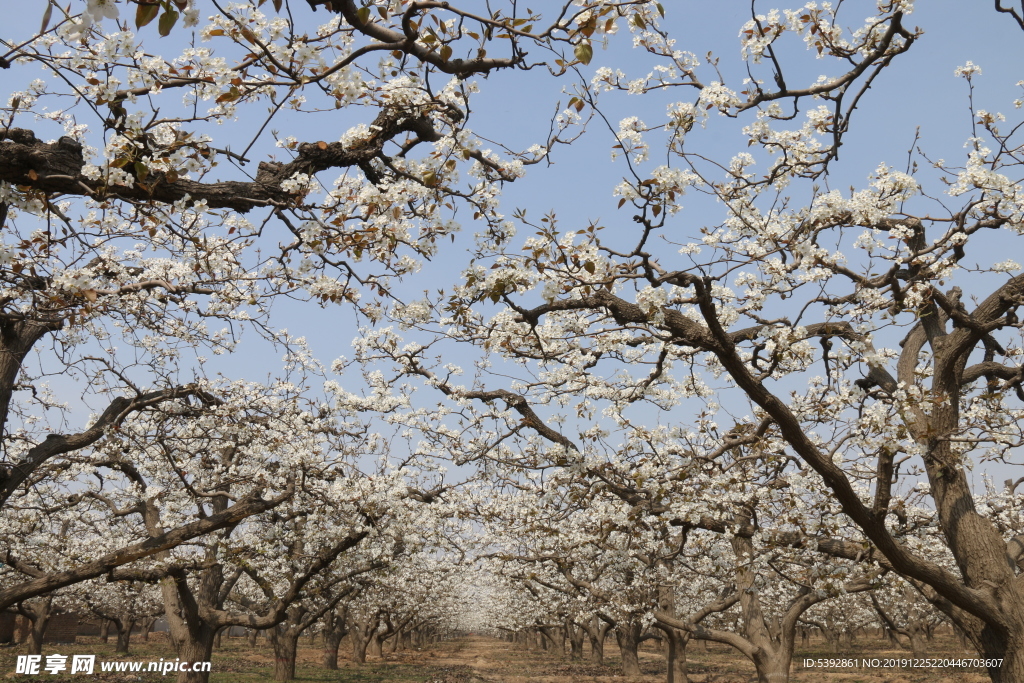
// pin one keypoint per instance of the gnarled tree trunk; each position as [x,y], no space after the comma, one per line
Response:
[38,614]
[627,635]
[286,646]
[124,627]
[335,629]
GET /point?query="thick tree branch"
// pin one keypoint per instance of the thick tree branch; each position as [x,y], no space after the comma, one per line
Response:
[247,507]
[57,167]
[57,444]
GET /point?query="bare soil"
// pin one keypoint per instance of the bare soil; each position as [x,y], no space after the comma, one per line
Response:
[482,659]
[485,660]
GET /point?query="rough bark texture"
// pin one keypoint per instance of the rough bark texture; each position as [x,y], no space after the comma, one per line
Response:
[104,630]
[57,167]
[38,614]
[147,627]
[676,655]
[627,635]
[124,633]
[373,648]
[362,631]
[334,630]
[577,635]
[286,646]
[597,631]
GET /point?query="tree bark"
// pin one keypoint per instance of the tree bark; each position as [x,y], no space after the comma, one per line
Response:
[124,627]
[597,631]
[191,635]
[147,627]
[676,655]
[335,629]
[374,646]
[38,615]
[362,632]
[577,636]
[286,647]
[627,634]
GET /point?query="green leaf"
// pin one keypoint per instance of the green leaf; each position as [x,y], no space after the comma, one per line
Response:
[167,21]
[639,22]
[446,52]
[363,14]
[141,170]
[661,10]
[145,14]
[584,52]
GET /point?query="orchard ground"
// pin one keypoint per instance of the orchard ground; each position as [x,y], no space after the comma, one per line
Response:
[481,659]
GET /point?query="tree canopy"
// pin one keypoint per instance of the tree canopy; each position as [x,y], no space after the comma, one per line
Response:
[705,348]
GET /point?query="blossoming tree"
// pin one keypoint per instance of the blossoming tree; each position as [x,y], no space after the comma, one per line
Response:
[866,336]
[867,342]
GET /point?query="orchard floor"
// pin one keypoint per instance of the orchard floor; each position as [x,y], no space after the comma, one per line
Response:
[479,659]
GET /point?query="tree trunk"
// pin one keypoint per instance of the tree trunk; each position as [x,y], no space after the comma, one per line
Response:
[147,627]
[104,630]
[332,642]
[627,634]
[191,635]
[359,649]
[374,647]
[893,640]
[597,647]
[124,633]
[576,637]
[918,646]
[773,669]
[335,628]
[196,647]
[38,614]
[553,639]
[252,634]
[961,637]
[558,638]
[36,631]
[676,655]
[362,633]
[286,647]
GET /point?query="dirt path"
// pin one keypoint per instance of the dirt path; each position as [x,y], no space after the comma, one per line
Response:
[486,660]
